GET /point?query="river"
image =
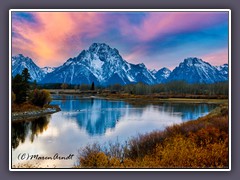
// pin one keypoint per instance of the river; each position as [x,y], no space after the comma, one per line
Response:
[83,121]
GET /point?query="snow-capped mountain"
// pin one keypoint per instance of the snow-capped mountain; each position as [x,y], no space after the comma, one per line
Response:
[154,71]
[19,62]
[223,70]
[47,70]
[162,75]
[102,65]
[194,70]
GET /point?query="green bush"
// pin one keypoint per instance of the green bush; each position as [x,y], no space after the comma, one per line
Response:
[40,97]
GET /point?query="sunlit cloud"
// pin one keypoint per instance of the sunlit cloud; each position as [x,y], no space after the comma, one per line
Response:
[136,54]
[218,57]
[152,38]
[165,23]
[53,34]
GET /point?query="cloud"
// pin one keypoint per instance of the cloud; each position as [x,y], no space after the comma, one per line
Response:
[54,35]
[154,38]
[136,54]
[160,24]
[217,57]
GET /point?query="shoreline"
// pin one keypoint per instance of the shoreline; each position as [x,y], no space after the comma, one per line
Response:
[142,99]
[31,114]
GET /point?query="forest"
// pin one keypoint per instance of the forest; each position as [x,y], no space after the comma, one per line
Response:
[171,88]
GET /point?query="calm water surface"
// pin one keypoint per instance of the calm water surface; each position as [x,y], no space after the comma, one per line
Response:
[84,121]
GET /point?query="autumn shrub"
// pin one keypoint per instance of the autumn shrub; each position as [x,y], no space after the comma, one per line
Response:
[26,106]
[201,143]
[208,135]
[95,160]
[40,97]
[143,144]
[182,152]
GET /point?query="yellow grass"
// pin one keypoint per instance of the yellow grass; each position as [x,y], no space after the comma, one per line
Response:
[202,143]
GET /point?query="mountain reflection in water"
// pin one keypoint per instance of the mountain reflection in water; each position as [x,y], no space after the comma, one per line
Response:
[85,121]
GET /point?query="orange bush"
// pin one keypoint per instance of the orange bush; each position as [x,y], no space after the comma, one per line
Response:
[202,143]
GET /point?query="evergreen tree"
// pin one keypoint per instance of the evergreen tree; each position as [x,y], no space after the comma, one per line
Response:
[17,84]
[93,86]
[26,76]
[21,86]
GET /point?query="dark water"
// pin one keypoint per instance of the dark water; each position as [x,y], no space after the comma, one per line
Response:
[88,120]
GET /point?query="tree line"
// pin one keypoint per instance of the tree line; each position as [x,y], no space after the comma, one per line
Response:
[178,87]
[170,88]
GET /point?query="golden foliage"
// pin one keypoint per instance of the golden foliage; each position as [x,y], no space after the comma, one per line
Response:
[202,143]
[26,106]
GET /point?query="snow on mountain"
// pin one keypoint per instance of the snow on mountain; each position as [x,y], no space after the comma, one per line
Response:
[47,70]
[19,62]
[223,70]
[194,70]
[154,71]
[162,75]
[102,65]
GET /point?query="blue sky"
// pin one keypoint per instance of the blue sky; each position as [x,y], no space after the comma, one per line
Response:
[157,39]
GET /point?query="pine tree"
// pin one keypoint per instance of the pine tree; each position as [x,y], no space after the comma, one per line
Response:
[21,86]
[17,84]
[26,76]
[93,86]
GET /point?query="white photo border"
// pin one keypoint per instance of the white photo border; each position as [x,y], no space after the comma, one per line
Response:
[116,10]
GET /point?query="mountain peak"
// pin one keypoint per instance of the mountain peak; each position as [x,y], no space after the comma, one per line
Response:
[21,58]
[142,65]
[195,70]
[162,74]
[192,61]
[165,69]
[100,64]
[19,55]
[95,47]
[19,62]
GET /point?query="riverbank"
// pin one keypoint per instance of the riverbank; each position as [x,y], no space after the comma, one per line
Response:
[31,112]
[201,143]
[143,99]
[159,99]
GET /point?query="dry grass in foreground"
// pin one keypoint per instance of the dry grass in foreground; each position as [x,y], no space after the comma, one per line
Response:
[202,143]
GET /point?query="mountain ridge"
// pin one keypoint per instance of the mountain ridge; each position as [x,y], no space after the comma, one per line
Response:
[19,62]
[101,64]
[105,66]
[195,70]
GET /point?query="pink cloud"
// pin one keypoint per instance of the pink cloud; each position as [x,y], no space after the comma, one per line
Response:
[159,24]
[52,35]
[136,54]
[217,58]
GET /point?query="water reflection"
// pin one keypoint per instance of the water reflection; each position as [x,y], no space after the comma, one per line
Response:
[187,111]
[96,116]
[84,121]
[20,130]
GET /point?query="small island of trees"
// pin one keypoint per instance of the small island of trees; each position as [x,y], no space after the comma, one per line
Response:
[26,96]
